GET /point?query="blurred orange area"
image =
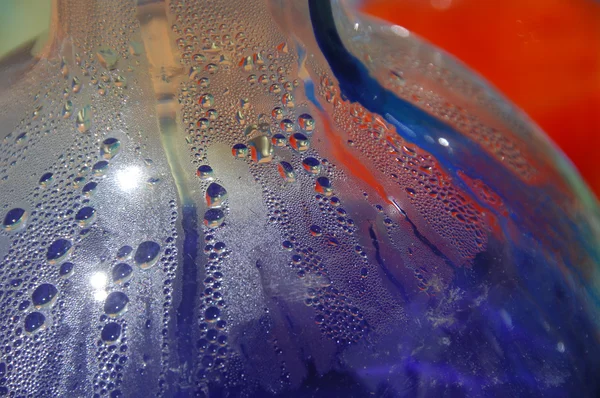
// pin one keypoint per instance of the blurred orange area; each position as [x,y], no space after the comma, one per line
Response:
[542,54]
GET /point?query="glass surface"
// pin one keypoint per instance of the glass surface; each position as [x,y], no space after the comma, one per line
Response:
[280,198]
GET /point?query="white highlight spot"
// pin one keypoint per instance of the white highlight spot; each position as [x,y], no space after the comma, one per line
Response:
[129,178]
[98,281]
[443,142]
[400,31]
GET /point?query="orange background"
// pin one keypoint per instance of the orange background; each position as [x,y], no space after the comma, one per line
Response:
[542,54]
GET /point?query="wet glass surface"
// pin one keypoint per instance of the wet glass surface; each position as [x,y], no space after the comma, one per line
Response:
[280,198]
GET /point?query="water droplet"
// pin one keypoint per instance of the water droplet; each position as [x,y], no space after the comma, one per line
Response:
[66,270]
[58,250]
[107,57]
[46,179]
[323,185]
[286,170]
[278,140]
[110,332]
[121,273]
[315,230]
[287,100]
[34,322]
[239,150]
[84,119]
[275,88]
[44,295]
[14,219]
[89,189]
[85,216]
[110,148]
[76,84]
[214,218]
[67,109]
[100,168]
[312,165]
[287,125]
[299,142]
[258,58]
[206,101]
[116,304]
[306,122]
[203,123]
[261,149]
[205,172]
[124,252]
[21,138]
[212,314]
[146,254]
[277,113]
[212,114]
[121,81]
[247,63]
[212,68]
[204,82]
[215,195]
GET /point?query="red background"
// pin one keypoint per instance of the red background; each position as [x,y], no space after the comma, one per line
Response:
[542,54]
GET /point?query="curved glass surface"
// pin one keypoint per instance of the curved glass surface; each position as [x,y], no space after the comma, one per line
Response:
[280,198]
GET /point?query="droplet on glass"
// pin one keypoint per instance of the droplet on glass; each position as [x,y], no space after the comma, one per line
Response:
[116,304]
[146,254]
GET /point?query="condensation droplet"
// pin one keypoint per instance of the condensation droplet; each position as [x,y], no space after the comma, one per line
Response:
[116,304]
[14,219]
[146,254]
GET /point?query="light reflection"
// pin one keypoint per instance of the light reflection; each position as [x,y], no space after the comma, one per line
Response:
[129,178]
[443,142]
[98,281]
[400,31]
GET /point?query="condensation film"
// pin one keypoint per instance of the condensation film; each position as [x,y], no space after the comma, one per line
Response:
[280,198]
